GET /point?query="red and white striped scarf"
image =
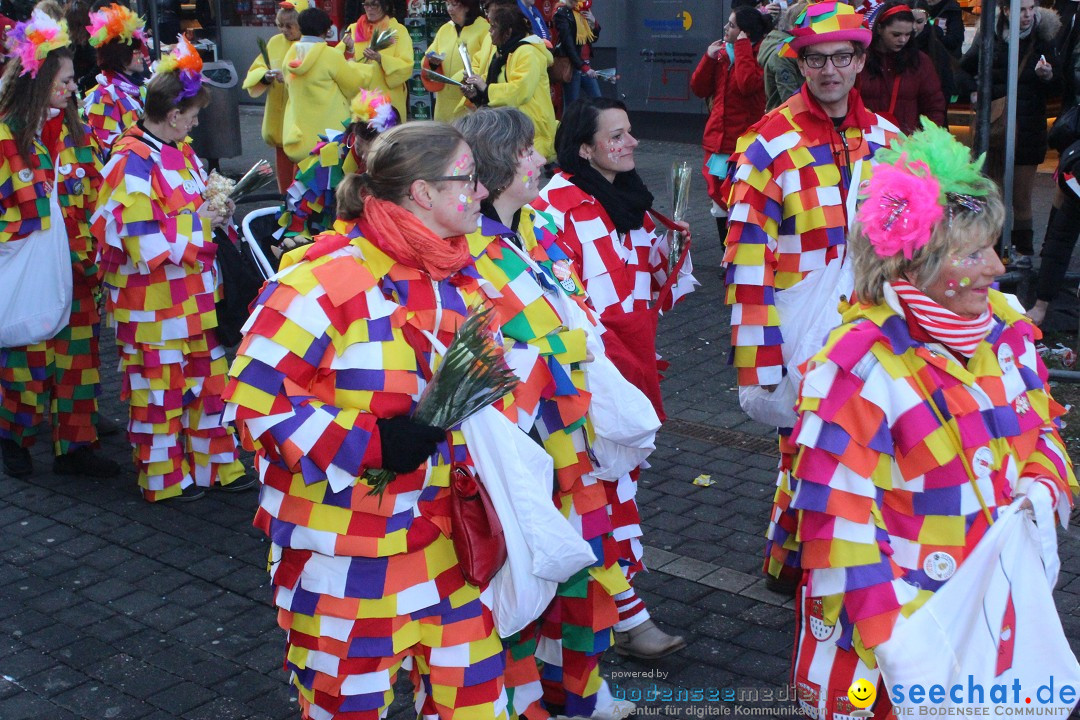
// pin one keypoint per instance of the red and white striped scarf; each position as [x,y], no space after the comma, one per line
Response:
[954,332]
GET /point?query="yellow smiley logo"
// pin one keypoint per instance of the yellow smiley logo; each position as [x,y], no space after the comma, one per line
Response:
[862,694]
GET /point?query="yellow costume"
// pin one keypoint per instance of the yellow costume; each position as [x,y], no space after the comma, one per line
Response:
[277,95]
[523,83]
[448,103]
[390,76]
[321,83]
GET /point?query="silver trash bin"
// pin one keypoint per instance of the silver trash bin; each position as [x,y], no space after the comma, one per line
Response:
[218,133]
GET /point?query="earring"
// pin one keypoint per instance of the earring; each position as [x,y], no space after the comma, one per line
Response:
[172,123]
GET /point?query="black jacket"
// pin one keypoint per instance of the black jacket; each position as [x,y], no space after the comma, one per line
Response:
[1031,92]
[949,20]
[563,20]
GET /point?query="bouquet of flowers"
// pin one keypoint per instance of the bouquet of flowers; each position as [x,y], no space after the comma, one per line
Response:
[680,198]
[473,374]
[382,39]
[264,52]
[220,189]
[608,75]
[439,77]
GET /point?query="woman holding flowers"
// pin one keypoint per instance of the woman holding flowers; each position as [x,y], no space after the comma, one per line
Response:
[927,412]
[265,77]
[157,256]
[309,203]
[116,102]
[601,212]
[542,305]
[379,40]
[48,179]
[340,346]
[514,73]
[466,25]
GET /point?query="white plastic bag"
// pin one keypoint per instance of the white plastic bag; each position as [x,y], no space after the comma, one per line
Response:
[542,548]
[808,311]
[624,421]
[36,283]
[967,625]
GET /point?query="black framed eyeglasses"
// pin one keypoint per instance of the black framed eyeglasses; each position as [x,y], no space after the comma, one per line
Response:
[839,60]
[472,178]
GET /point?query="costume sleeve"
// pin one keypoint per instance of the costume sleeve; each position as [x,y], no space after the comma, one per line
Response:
[931,99]
[135,225]
[747,76]
[842,471]
[524,71]
[288,392]
[351,76]
[105,117]
[253,81]
[756,201]
[397,60]
[659,257]
[702,82]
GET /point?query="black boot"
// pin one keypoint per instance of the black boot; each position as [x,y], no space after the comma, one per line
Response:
[17,460]
[84,462]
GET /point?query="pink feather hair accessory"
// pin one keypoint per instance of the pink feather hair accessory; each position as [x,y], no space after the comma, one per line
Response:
[33,40]
[901,208]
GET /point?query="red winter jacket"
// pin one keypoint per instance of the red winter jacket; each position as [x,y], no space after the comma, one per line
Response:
[919,93]
[738,95]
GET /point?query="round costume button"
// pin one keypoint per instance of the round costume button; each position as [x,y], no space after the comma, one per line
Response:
[1006,359]
[939,565]
[982,462]
[65,168]
[26,175]
[190,187]
[80,173]
[77,187]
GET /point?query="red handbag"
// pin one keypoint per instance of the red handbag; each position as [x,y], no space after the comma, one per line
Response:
[474,527]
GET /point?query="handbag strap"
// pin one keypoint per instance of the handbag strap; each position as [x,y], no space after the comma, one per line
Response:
[895,93]
[673,276]
[953,435]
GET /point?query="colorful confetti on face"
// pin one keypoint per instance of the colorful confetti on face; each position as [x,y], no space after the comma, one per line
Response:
[462,163]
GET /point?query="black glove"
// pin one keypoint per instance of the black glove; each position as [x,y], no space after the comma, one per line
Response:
[406,443]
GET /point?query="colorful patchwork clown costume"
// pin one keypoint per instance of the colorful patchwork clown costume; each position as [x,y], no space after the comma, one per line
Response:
[60,373]
[918,422]
[309,202]
[116,102]
[362,581]
[551,404]
[623,274]
[788,202]
[157,255]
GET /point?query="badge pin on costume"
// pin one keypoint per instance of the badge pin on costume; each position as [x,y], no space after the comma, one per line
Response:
[563,274]
[939,566]
[1006,359]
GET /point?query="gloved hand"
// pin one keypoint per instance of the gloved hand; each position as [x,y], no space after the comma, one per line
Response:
[406,443]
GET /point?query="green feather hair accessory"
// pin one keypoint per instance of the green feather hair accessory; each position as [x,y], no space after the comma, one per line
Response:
[948,160]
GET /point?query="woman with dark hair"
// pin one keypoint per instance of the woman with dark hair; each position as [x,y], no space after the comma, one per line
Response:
[116,102]
[48,178]
[266,76]
[601,211]
[468,26]
[577,29]
[515,74]
[1037,79]
[729,75]
[77,16]
[310,207]
[339,348]
[929,38]
[899,81]
[392,66]
[157,255]
[543,306]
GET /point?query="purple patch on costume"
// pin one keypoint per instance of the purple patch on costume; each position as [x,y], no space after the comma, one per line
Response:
[941,501]
[366,578]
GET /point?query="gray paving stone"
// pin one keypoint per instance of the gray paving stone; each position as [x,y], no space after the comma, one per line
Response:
[689,568]
[727,579]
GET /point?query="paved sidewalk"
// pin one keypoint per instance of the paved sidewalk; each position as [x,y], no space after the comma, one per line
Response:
[112,608]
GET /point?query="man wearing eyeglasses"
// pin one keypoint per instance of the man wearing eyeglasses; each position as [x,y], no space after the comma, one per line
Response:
[790,196]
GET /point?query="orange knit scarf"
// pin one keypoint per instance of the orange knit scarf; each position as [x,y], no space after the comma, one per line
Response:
[401,235]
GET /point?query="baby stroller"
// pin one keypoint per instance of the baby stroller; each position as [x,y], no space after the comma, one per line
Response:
[260,232]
